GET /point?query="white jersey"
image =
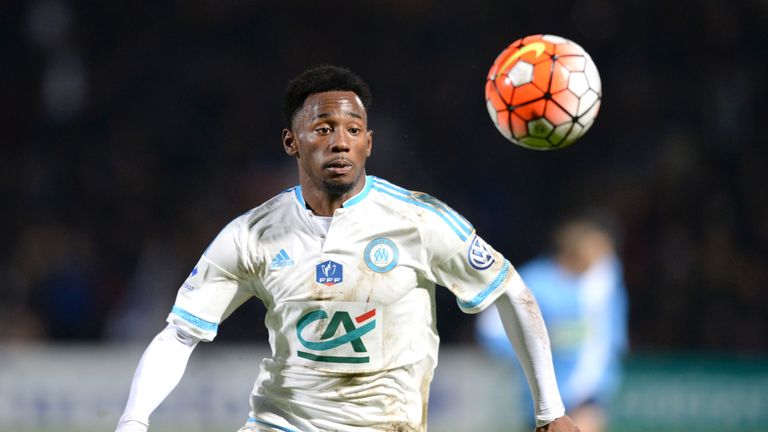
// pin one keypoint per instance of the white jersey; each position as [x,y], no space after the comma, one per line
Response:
[350,310]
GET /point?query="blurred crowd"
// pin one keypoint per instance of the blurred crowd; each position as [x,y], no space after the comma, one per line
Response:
[131,135]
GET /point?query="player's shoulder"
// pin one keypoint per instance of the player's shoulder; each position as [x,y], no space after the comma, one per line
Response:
[430,213]
[275,210]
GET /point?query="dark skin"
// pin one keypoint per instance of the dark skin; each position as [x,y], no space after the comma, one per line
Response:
[330,139]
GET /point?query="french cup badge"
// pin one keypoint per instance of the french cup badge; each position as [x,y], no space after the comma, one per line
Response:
[329,273]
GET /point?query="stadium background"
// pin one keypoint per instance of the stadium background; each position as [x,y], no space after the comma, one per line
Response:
[132,133]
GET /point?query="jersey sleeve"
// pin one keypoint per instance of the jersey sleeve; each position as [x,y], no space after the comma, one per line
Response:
[476,274]
[219,283]
[461,261]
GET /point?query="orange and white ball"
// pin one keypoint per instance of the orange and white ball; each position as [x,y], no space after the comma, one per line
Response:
[543,92]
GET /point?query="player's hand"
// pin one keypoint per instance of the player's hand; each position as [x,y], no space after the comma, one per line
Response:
[562,424]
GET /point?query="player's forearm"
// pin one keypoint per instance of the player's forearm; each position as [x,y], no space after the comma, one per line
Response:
[159,371]
[525,328]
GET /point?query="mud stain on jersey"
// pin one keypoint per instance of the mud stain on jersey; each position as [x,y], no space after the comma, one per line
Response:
[400,427]
[425,386]
[528,301]
[366,283]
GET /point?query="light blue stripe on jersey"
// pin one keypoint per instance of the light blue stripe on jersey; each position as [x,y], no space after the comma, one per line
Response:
[455,222]
[363,193]
[457,218]
[482,295]
[299,196]
[197,322]
[268,424]
[350,202]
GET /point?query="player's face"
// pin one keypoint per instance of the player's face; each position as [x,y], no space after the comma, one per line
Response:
[331,141]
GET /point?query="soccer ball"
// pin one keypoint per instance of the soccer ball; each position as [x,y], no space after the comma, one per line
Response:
[543,92]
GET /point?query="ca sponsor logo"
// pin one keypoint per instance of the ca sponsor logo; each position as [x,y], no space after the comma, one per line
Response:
[479,254]
[353,329]
[329,273]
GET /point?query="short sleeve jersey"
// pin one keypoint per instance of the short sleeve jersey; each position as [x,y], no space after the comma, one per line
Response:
[357,300]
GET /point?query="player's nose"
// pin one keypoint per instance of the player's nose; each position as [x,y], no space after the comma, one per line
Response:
[341,142]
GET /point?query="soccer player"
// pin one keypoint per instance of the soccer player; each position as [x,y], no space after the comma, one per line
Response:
[581,293]
[346,266]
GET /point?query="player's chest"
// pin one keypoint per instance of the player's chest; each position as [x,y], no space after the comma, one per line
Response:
[346,264]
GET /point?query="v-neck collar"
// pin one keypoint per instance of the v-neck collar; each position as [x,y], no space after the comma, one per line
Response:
[357,198]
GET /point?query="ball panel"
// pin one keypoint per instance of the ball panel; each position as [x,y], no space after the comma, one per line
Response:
[540,52]
[493,97]
[502,124]
[542,74]
[525,94]
[569,48]
[536,143]
[567,101]
[575,133]
[573,63]
[577,83]
[555,115]
[521,73]
[554,39]
[559,79]
[492,112]
[540,128]
[531,110]
[586,102]
[519,129]
[590,115]
[586,127]
[504,89]
[560,133]
[532,38]
[593,77]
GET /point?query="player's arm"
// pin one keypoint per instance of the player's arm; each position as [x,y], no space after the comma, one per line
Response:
[159,371]
[219,283]
[480,276]
[524,326]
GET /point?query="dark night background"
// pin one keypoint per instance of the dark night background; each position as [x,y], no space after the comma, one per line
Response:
[131,133]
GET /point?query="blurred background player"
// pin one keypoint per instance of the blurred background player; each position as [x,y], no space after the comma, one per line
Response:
[580,289]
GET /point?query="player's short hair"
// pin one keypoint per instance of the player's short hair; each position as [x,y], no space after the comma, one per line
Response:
[320,79]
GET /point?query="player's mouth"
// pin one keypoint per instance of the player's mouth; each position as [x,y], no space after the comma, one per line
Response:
[339,166]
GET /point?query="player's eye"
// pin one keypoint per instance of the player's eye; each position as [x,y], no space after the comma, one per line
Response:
[323,130]
[354,130]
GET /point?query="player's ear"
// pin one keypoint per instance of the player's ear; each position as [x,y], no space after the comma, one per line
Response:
[289,143]
[369,136]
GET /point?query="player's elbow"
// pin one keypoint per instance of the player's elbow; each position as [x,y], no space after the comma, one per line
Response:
[177,334]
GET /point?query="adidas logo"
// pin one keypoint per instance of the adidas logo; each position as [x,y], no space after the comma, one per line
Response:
[281,260]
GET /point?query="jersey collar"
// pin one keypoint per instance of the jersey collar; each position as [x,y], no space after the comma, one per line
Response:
[348,203]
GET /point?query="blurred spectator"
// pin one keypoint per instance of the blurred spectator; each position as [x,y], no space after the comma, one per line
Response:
[580,290]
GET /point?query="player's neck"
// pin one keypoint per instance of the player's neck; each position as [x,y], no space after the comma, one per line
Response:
[325,203]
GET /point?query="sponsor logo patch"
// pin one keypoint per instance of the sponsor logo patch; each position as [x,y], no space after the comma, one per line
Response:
[381,255]
[281,260]
[479,254]
[329,273]
[351,332]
